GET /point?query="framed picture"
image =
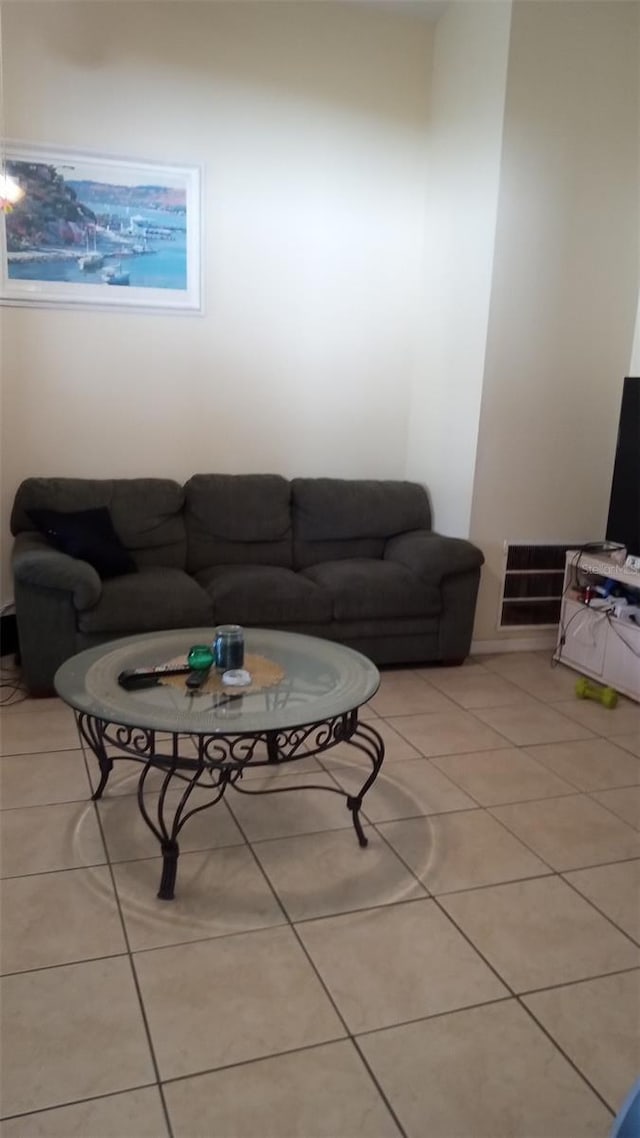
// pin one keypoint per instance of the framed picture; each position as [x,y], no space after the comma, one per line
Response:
[95,230]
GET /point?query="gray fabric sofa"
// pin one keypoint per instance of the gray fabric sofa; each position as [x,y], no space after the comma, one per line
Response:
[352,560]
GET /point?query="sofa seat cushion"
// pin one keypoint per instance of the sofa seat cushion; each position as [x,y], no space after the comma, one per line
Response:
[263,594]
[363,589]
[147,601]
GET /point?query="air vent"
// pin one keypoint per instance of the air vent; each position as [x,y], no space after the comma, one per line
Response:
[532,585]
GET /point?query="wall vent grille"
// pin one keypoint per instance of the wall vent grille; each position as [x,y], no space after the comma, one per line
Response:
[532,584]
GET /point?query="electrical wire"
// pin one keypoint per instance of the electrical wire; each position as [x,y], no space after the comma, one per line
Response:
[12,688]
[573,581]
[614,624]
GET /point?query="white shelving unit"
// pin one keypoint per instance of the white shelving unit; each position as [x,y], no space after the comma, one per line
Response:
[594,641]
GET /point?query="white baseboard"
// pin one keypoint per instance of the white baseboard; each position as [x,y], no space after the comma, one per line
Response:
[540,643]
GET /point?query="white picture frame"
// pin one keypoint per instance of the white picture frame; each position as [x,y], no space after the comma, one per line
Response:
[96,230]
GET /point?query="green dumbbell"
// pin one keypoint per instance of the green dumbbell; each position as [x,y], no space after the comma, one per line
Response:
[585,689]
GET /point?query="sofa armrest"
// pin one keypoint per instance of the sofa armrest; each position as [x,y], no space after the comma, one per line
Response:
[35,562]
[431,556]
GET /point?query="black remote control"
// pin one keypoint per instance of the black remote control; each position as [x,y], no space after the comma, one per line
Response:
[196,678]
[135,679]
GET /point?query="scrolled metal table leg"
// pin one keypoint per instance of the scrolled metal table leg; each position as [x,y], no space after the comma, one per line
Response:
[272,747]
[106,766]
[170,854]
[92,731]
[171,816]
[367,740]
[354,805]
[167,836]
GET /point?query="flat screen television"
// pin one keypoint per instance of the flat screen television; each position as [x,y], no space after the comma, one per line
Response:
[623,524]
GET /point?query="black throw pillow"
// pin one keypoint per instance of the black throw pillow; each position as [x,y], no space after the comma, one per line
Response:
[87,534]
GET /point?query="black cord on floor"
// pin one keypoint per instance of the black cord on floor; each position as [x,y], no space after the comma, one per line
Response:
[12,689]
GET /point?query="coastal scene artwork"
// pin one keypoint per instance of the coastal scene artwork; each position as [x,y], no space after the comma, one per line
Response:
[93,230]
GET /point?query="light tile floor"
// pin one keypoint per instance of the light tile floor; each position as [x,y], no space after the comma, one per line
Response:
[474,973]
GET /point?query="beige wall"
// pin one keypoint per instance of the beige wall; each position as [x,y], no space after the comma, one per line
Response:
[565,284]
[469,72]
[386,293]
[634,366]
[310,124]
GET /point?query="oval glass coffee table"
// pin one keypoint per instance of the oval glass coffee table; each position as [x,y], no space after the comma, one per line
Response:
[303,699]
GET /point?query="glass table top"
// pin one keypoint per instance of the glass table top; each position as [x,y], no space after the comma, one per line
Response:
[297,680]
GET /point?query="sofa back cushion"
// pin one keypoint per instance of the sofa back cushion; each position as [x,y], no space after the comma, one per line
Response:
[335,518]
[146,512]
[237,519]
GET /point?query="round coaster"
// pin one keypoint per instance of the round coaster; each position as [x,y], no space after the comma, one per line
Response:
[236,678]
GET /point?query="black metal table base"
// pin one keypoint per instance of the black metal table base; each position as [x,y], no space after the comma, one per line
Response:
[220,762]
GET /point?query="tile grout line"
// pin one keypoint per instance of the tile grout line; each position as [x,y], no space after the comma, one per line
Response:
[603,790]
[46,872]
[259,1059]
[505,983]
[323,985]
[528,877]
[571,792]
[369,907]
[507,742]
[518,689]
[634,940]
[549,703]
[291,923]
[487,809]
[22,754]
[43,805]
[74,1102]
[495,1000]
[559,874]
[517,996]
[581,980]
[511,994]
[132,967]
[573,787]
[460,671]
[549,1036]
[371,824]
